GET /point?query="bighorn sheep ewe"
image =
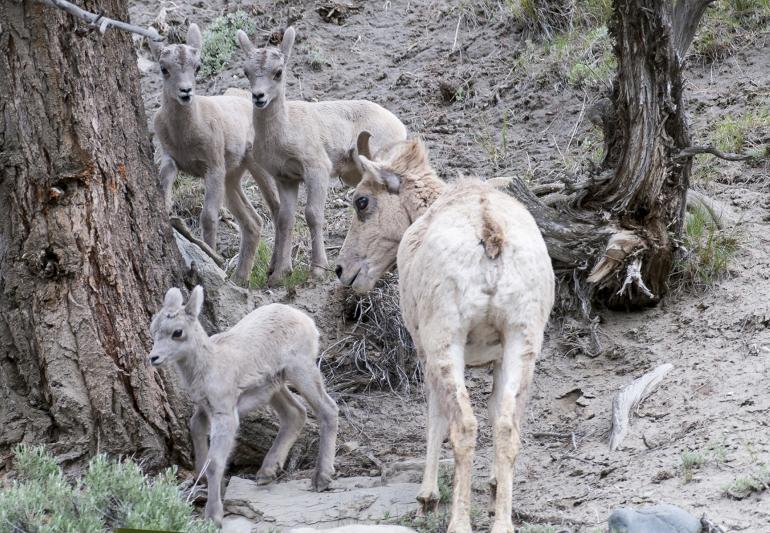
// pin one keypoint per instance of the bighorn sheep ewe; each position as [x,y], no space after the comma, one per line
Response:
[304,142]
[237,371]
[209,137]
[476,288]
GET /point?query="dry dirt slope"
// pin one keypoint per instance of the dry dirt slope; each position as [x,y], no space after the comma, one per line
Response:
[712,410]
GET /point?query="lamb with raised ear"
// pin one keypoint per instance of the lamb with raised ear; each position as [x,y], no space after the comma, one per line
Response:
[209,137]
[305,142]
[476,287]
[234,372]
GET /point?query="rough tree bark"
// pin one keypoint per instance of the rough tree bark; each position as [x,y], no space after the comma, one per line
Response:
[86,252]
[624,223]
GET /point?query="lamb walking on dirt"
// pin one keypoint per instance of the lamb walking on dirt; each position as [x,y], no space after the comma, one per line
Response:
[476,288]
[209,137]
[306,142]
[242,369]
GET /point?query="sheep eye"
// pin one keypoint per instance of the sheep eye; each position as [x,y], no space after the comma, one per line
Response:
[164,71]
[197,69]
[278,75]
[362,202]
[177,334]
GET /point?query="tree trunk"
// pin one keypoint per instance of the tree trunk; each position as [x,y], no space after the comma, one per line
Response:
[624,223]
[86,252]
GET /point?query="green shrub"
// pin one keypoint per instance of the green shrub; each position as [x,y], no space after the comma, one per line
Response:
[111,494]
[219,41]
[709,249]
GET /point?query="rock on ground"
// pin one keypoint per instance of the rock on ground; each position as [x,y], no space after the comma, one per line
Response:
[663,518]
[356,528]
[292,504]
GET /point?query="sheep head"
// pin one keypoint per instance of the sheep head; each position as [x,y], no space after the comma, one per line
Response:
[265,67]
[179,63]
[381,216]
[175,329]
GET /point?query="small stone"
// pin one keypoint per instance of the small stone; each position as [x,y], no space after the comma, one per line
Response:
[662,518]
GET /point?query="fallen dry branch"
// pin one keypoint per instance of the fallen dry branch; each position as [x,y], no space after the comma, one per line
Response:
[720,214]
[100,21]
[695,150]
[179,225]
[629,398]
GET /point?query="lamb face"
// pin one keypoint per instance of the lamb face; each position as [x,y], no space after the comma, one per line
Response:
[380,220]
[265,67]
[179,63]
[175,328]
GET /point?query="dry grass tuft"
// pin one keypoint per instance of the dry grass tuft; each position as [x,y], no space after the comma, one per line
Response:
[378,353]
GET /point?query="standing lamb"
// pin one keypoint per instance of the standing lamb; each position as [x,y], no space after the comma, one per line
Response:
[476,288]
[209,137]
[305,142]
[235,372]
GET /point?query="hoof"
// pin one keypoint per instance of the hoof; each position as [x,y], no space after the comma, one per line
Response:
[321,481]
[276,278]
[317,273]
[240,280]
[503,528]
[215,515]
[428,503]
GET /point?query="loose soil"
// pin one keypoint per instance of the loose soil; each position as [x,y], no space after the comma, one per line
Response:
[450,74]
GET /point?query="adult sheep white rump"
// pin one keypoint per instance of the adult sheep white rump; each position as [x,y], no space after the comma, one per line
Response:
[308,142]
[476,288]
[232,373]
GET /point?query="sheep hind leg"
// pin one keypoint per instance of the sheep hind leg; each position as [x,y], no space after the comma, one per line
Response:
[214,183]
[267,187]
[199,431]
[511,384]
[310,385]
[317,185]
[250,226]
[280,263]
[446,377]
[223,429]
[437,429]
[291,415]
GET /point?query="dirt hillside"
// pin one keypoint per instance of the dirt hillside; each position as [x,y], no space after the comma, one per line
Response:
[491,101]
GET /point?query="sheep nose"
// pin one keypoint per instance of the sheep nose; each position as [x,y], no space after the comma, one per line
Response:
[258,97]
[338,271]
[154,359]
[185,90]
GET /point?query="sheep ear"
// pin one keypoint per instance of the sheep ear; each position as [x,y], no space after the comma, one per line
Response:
[244,41]
[389,179]
[173,298]
[195,303]
[362,144]
[288,42]
[156,47]
[194,38]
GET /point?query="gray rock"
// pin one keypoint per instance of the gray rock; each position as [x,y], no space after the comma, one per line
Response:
[662,518]
[356,528]
[293,504]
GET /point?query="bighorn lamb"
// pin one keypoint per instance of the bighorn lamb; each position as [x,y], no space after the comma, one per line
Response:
[304,142]
[235,372]
[209,137]
[476,288]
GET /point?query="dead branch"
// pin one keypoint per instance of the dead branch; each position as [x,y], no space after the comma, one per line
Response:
[629,398]
[709,526]
[179,225]
[695,150]
[685,17]
[100,21]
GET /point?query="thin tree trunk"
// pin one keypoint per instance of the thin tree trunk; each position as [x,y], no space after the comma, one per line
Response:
[86,252]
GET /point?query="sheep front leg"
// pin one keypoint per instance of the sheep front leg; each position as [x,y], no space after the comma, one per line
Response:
[223,429]
[437,429]
[199,431]
[317,185]
[309,384]
[513,376]
[291,416]
[168,172]
[280,264]
[214,182]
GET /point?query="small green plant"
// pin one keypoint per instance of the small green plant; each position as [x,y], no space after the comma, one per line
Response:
[497,150]
[744,486]
[219,41]
[690,462]
[739,133]
[111,494]
[445,484]
[259,273]
[708,249]
[315,58]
